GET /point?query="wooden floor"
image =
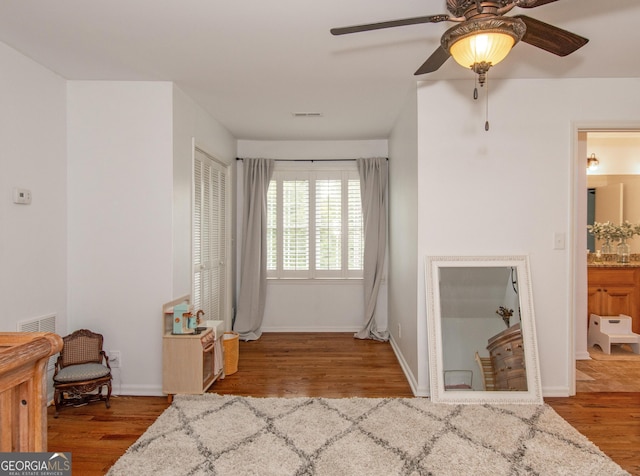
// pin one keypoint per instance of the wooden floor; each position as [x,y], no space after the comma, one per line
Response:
[608,375]
[610,420]
[315,365]
[329,365]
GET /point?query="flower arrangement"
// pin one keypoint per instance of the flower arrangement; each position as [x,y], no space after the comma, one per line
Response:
[609,232]
[626,230]
[505,314]
[603,231]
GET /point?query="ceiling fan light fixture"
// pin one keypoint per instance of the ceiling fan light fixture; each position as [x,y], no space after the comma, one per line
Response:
[482,43]
[482,47]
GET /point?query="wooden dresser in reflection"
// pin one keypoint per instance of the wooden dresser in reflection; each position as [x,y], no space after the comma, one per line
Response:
[507,359]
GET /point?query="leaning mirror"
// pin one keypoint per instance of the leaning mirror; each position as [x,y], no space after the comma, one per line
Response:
[482,338]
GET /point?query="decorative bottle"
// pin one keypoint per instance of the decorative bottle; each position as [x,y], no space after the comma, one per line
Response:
[624,251]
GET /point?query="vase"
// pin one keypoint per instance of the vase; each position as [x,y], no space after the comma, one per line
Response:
[607,247]
[624,250]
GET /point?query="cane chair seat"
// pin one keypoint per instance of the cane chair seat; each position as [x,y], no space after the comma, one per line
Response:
[82,371]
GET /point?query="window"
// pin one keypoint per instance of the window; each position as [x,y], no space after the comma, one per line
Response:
[314,222]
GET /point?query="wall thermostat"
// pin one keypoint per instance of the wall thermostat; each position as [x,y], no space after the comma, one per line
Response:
[21,196]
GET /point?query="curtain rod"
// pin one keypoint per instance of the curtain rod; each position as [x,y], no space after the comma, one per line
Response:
[312,160]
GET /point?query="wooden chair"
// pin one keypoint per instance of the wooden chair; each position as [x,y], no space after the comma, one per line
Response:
[82,370]
[486,372]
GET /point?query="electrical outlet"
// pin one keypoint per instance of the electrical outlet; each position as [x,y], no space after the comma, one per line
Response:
[399,331]
[114,359]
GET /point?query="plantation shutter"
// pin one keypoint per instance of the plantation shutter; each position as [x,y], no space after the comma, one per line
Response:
[355,227]
[295,225]
[328,220]
[209,236]
[314,223]
[272,226]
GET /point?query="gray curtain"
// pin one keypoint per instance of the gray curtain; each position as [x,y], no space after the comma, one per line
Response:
[253,270]
[373,189]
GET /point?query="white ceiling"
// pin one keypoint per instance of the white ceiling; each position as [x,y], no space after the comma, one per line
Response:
[252,63]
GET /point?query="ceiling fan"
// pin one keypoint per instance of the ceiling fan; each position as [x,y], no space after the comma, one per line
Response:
[483,36]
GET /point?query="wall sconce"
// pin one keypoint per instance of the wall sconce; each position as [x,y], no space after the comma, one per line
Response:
[592,163]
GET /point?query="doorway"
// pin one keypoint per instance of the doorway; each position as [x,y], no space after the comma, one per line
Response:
[618,153]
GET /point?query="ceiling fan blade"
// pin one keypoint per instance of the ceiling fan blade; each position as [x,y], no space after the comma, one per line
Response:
[437,59]
[389,24]
[551,38]
[533,3]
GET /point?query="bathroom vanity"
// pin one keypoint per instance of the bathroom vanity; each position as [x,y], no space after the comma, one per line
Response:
[614,289]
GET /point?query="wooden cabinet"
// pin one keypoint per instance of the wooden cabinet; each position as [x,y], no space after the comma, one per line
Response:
[614,290]
[507,359]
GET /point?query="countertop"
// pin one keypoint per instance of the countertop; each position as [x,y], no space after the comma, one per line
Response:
[613,264]
[611,261]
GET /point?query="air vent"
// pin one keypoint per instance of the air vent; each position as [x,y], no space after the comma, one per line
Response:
[41,324]
[307,114]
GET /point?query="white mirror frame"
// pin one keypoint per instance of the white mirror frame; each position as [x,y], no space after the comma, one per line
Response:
[533,394]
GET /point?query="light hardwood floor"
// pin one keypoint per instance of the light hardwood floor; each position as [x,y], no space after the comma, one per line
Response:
[328,365]
[608,375]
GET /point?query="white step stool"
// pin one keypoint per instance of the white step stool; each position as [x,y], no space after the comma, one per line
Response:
[607,330]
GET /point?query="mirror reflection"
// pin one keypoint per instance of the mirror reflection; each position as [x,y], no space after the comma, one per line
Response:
[482,345]
[481,330]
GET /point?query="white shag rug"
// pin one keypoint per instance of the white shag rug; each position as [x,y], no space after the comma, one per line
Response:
[228,435]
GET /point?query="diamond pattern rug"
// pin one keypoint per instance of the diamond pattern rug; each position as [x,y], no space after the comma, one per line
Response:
[228,435]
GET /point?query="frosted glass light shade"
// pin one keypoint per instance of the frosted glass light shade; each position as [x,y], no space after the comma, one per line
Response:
[592,163]
[489,47]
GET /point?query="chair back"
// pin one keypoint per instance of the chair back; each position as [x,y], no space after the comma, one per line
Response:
[81,347]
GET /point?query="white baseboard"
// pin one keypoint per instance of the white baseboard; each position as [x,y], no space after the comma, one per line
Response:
[139,390]
[555,392]
[583,355]
[311,329]
[407,371]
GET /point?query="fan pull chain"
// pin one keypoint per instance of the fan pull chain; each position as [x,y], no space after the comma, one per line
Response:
[475,88]
[486,122]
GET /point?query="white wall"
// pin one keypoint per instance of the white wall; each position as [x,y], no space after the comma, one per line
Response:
[408,340]
[120,221]
[191,124]
[509,190]
[617,153]
[321,306]
[33,256]
[130,169]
